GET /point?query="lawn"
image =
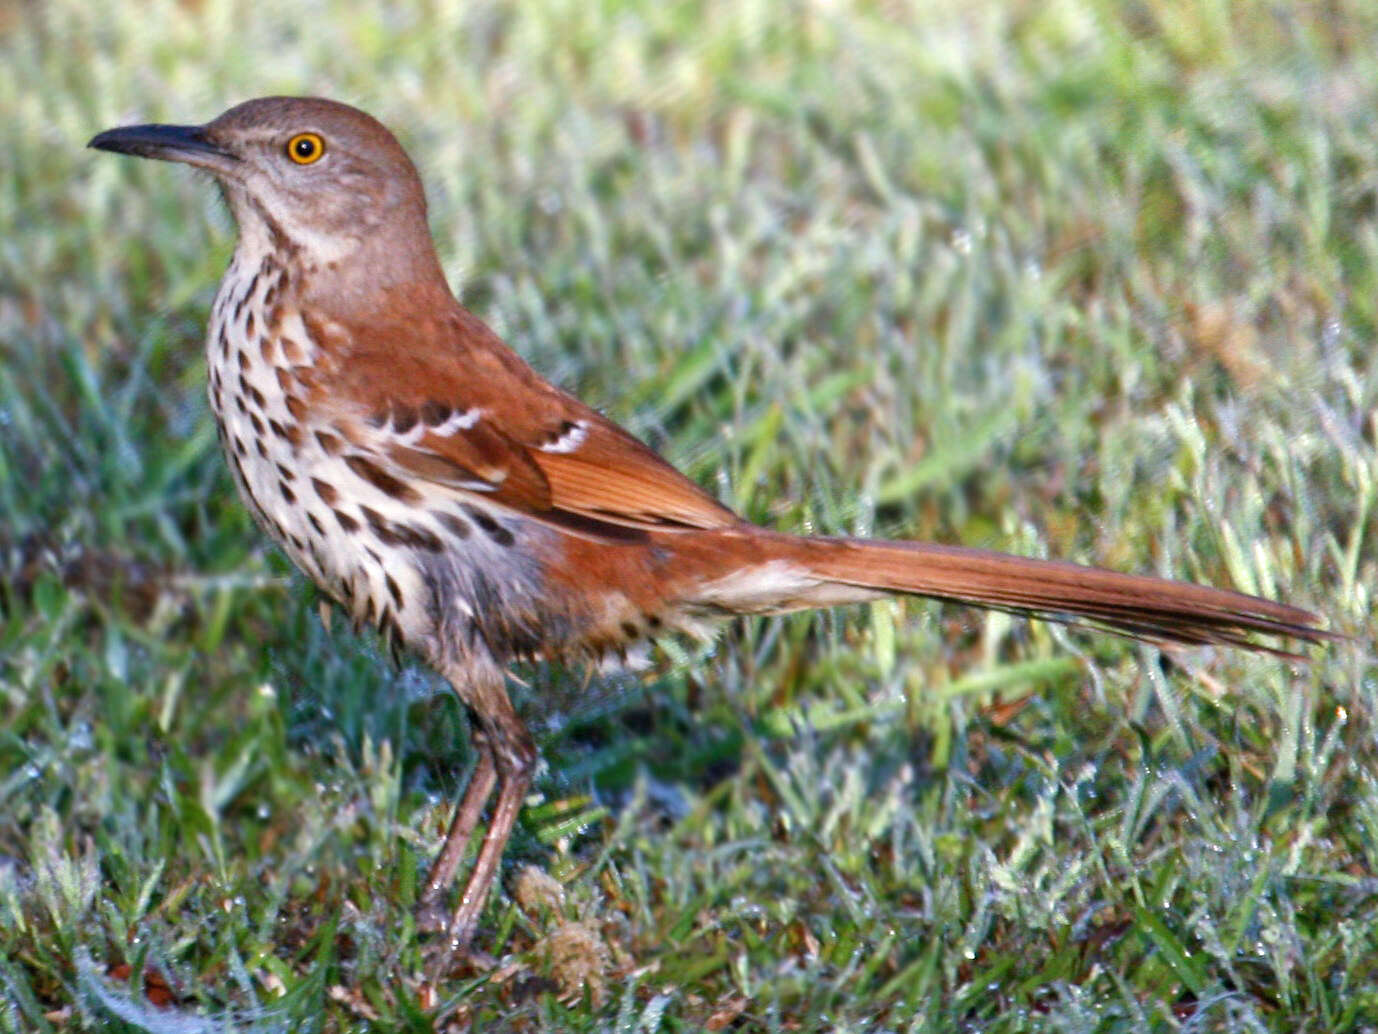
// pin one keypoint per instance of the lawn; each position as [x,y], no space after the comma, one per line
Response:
[1082,279]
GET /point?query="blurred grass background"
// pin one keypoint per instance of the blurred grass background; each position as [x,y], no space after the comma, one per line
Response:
[1085,279]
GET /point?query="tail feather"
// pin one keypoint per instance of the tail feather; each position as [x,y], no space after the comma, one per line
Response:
[823,571]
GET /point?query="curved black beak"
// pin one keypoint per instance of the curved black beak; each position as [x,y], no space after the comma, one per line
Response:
[170,143]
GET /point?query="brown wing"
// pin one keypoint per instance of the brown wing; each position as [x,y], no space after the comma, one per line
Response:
[448,404]
[607,474]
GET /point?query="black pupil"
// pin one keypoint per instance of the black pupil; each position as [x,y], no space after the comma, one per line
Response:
[306,147]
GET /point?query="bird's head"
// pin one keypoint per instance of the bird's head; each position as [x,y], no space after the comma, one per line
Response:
[301,173]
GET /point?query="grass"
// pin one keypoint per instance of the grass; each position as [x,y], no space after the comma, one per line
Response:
[1083,279]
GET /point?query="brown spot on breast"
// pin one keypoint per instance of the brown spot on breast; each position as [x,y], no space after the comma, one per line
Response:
[246,294]
[382,480]
[296,407]
[346,522]
[290,434]
[286,473]
[332,445]
[380,527]
[323,333]
[400,534]
[292,350]
[286,493]
[258,424]
[352,433]
[457,526]
[393,589]
[243,358]
[419,537]
[326,491]
[320,528]
[491,528]
[249,325]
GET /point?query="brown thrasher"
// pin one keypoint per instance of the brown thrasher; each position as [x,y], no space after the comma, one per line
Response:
[438,489]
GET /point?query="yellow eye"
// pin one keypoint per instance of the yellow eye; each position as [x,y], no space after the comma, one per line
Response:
[305,148]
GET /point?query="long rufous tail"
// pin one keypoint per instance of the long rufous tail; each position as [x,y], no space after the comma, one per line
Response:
[794,572]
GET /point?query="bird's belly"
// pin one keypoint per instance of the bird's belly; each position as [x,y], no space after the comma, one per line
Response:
[435,569]
[444,575]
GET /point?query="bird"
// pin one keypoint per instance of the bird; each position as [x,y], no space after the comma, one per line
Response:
[438,489]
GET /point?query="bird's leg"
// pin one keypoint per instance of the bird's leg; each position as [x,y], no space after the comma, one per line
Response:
[430,911]
[514,755]
[507,761]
